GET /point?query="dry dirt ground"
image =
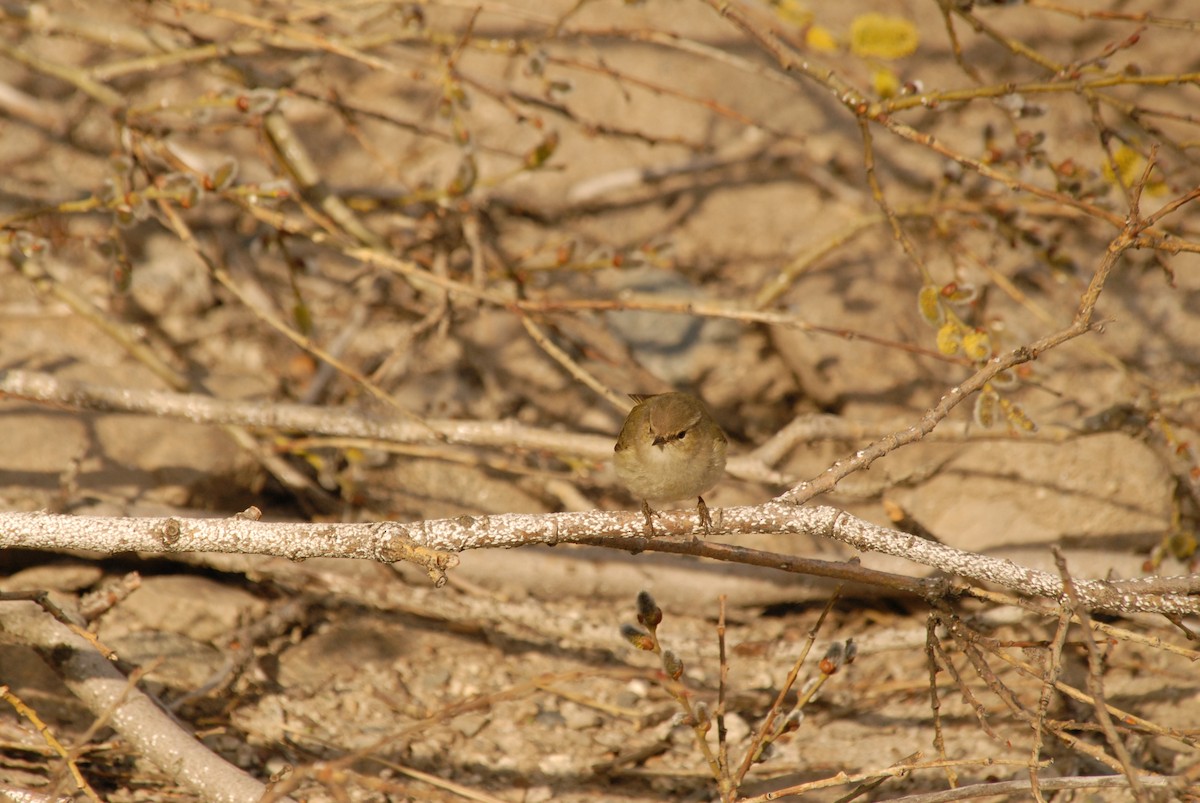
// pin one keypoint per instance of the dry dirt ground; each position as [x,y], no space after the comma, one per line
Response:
[680,166]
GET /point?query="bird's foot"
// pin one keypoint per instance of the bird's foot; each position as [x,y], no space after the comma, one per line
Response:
[648,512]
[705,519]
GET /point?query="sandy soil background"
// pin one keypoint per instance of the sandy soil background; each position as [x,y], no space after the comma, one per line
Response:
[691,215]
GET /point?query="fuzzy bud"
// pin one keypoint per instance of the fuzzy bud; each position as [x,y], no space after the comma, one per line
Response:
[648,612]
[637,637]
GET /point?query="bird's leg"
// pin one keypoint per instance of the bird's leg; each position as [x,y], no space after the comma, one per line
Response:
[702,512]
[648,512]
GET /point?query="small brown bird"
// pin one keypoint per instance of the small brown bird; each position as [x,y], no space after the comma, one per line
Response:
[670,448]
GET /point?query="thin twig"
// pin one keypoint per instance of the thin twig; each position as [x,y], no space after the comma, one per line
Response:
[1095,683]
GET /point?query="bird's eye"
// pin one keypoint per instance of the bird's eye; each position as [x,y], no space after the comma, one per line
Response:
[679,435]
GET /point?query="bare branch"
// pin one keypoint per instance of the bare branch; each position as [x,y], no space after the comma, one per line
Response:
[106,692]
[425,541]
